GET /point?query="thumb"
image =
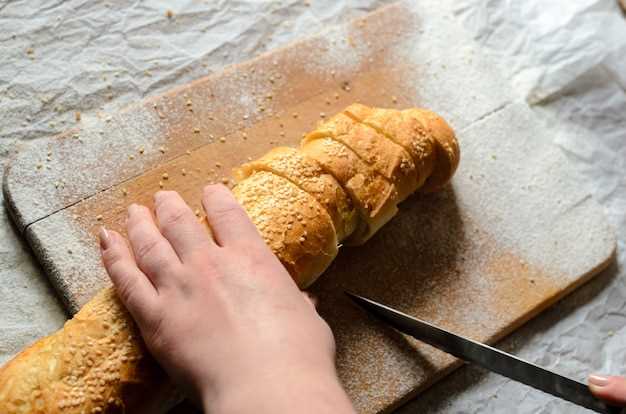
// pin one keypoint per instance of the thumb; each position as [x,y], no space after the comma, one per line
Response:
[611,389]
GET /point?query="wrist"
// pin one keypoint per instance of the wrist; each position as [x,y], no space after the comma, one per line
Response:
[305,390]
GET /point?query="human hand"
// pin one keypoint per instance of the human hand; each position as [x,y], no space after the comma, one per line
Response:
[221,314]
[612,389]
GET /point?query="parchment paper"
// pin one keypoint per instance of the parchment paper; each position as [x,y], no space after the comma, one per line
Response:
[565,57]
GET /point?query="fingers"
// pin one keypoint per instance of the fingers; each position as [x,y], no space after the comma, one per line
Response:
[153,253]
[609,388]
[133,287]
[228,220]
[179,225]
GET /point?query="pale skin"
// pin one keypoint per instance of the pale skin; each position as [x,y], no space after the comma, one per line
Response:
[224,318]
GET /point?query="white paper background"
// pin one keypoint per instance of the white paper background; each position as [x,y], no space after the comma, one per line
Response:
[565,57]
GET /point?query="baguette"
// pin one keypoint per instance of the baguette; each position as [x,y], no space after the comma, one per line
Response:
[340,186]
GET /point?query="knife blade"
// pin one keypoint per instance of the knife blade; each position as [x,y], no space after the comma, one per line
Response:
[488,357]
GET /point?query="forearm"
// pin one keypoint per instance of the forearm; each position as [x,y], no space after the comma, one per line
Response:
[299,393]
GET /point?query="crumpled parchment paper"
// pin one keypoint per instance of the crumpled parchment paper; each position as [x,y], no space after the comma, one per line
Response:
[565,57]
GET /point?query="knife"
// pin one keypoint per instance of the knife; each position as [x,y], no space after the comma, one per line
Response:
[488,357]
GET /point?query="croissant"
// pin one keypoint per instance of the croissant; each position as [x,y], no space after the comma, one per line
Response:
[342,184]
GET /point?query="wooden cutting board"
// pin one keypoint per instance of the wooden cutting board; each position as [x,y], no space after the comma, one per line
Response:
[514,232]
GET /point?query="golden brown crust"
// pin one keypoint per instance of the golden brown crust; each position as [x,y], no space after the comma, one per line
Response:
[403,129]
[447,152]
[96,363]
[307,174]
[293,224]
[382,154]
[374,196]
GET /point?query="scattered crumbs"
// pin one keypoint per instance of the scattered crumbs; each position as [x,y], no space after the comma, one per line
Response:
[169,13]
[165,176]
[77,116]
[99,217]
[222,139]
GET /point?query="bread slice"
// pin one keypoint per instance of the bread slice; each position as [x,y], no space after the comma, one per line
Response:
[293,224]
[447,153]
[374,196]
[382,154]
[307,174]
[402,129]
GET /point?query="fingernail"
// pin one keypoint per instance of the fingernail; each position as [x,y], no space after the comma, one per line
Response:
[598,380]
[105,238]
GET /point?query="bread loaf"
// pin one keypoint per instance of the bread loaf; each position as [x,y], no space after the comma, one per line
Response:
[342,184]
